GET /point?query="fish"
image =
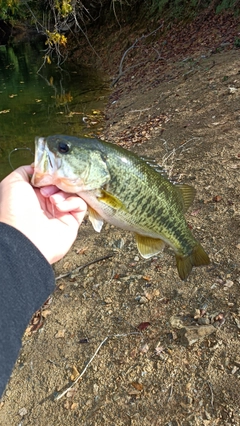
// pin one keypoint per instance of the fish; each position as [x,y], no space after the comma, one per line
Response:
[125,190]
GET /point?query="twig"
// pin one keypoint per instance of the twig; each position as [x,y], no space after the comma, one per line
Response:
[182,147]
[171,392]
[120,71]
[60,395]
[211,390]
[79,268]
[139,110]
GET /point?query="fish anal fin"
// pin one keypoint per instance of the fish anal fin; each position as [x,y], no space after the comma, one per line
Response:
[197,257]
[148,246]
[188,194]
[95,219]
[110,200]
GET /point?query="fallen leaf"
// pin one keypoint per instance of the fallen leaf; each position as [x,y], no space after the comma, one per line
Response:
[81,250]
[195,212]
[137,386]
[217,198]
[159,350]
[71,392]
[46,312]
[75,373]
[146,278]
[60,334]
[143,325]
[74,406]
[61,287]
[144,348]
[67,404]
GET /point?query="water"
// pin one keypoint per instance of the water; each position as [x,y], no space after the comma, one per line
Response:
[54,101]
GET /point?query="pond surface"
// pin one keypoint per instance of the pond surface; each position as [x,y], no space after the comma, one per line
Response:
[66,100]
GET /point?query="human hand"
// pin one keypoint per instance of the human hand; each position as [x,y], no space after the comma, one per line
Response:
[47,216]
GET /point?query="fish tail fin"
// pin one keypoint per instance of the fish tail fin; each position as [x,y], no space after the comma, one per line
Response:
[197,257]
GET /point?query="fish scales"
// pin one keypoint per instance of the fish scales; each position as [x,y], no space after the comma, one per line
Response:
[149,201]
[124,190]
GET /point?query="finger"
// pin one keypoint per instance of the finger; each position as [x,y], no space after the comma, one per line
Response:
[68,203]
[47,191]
[79,216]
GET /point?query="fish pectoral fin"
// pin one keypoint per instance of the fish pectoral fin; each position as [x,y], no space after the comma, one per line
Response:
[110,200]
[197,257]
[188,194]
[148,246]
[95,219]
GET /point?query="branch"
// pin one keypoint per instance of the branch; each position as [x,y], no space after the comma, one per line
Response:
[120,71]
[79,268]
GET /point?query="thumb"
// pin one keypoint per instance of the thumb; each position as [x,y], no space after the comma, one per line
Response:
[20,174]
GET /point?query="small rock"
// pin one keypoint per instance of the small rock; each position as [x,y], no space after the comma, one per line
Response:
[237,321]
[235,369]
[228,284]
[232,90]
[190,335]
[176,322]
[95,389]
[22,412]
[203,321]
[142,300]
[197,314]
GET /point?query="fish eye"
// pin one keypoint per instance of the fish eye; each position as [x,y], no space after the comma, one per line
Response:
[63,147]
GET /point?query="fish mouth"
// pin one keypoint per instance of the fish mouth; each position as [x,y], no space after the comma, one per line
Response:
[45,164]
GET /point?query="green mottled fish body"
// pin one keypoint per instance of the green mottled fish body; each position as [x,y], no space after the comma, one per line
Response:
[124,190]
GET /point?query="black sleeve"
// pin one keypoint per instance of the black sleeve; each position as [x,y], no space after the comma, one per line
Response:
[26,280]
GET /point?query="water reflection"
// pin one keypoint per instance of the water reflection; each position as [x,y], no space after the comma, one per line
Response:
[67,100]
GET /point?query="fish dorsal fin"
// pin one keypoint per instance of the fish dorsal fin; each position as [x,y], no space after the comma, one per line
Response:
[188,194]
[152,163]
[95,219]
[148,246]
[110,200]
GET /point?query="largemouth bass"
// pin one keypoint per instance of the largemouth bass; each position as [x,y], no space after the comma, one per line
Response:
[124,190]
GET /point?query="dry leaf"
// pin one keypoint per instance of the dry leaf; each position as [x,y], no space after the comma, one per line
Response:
[67,405]
[61,286]
[144,348]
[74,406]
[143,325]
[81,250]
[137,386]
[159,350]
[46,312]
[71,392]
[217,198]
[60,334]
[75,373]
[146,278]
